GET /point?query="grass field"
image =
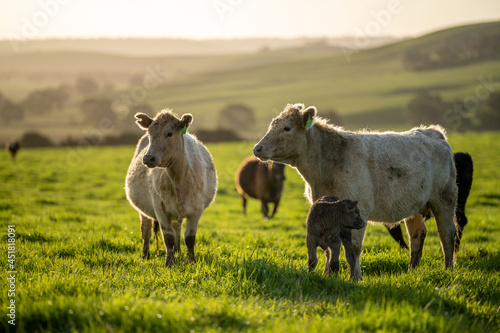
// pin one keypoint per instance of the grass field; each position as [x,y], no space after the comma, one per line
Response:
[79,266]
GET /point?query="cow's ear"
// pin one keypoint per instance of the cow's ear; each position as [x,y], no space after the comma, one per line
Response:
[308,116]
[143,120]
[186,120]
[350,205]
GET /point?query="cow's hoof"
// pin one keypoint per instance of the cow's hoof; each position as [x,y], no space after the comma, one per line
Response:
[169,262]
[191,258]
[145,256]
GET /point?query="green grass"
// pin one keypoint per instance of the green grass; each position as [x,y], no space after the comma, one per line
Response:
[79,266]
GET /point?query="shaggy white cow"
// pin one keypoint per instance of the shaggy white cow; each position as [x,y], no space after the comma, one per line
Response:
[394,176]
[171,177]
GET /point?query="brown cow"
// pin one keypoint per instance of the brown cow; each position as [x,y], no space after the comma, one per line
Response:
[12,146]
[259,180]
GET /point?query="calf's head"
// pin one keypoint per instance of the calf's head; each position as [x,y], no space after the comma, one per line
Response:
[165,137]
[324,222]
[285,138]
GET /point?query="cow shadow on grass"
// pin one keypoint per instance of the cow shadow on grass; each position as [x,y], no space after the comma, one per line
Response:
[435,292]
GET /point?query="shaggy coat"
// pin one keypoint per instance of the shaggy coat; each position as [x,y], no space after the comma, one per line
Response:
[263,181]
[394,176]
[171,177]
[329,224]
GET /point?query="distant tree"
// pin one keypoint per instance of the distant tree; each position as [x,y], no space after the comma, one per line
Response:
[9,111]
[45,100]
[86,86]
[426,109]
[218,135]
[34,139]
[236,117]
[489,116]
[415,60]
[96,109]
[333,116]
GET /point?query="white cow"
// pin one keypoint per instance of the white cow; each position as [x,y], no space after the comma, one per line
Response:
[394,176]
[171,177]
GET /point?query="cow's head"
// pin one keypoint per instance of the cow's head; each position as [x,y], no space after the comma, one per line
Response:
[165,137]
[285,139]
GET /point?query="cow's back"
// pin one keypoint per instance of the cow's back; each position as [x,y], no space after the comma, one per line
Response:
[405,171]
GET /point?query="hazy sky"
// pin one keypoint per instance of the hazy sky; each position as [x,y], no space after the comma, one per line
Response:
[236,18]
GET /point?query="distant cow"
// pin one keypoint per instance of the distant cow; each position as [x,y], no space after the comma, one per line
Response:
[12,146]
[329,224]
[171,177]
[394,176]
[263,181]
[464,166]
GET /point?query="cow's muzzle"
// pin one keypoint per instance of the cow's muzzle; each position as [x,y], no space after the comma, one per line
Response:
[149,161]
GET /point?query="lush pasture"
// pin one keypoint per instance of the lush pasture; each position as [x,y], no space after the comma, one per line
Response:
[79,266]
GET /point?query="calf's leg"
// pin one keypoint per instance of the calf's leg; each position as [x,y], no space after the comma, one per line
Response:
[415,226]
[350,254]
[146,225]
[332,265]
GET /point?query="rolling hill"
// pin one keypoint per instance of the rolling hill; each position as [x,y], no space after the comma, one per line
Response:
[370,90]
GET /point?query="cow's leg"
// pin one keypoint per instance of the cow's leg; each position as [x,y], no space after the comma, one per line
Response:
[461,222]
[177,225]
[146,225]
[156,229]
[445,220]
[415,226]
[264,209]
[275,207]
[190,234]
[168,232]
[357,236]
[397,234]
[244,205]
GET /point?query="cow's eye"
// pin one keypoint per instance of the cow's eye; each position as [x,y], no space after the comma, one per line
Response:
[170,134]
[287,129]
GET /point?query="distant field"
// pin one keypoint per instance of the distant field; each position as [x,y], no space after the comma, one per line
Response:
[368,89]
[79,269]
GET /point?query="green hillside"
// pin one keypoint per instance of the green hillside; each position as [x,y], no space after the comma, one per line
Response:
[370,89]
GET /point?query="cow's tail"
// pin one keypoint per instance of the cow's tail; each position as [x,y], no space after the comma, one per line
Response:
[156,229]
